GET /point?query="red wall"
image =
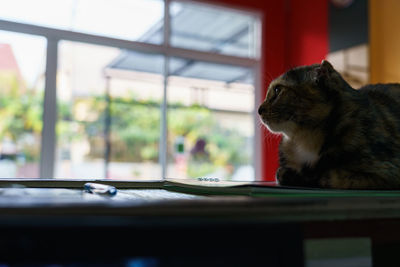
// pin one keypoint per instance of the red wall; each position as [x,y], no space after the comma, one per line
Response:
[295,32]
[308,32]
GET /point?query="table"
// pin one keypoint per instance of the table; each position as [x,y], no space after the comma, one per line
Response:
[176,227]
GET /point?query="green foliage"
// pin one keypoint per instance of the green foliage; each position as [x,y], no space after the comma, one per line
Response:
[135,128]
[199,169]
[137,125]
[224,147]
[20,113]
[135,134]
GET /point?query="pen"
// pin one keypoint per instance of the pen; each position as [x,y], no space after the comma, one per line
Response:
[101,189]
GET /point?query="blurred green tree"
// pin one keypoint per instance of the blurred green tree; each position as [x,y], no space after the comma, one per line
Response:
[135,128]
[135,134]
[21,114]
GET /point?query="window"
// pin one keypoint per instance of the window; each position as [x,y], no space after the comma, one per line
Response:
[108,116]
[206,28]
[165,91]
[210,120]
[22,70]
[124,19]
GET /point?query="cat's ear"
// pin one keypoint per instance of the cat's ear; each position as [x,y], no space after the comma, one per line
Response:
[326,66]
[323,71]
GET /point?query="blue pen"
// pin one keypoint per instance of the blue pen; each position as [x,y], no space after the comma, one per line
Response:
[101,189]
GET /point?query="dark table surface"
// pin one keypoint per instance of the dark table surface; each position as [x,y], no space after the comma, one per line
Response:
[42,221]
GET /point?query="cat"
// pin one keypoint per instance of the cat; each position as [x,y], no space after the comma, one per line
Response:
[334,136]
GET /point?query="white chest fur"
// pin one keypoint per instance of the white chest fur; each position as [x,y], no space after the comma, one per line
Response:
[305,156]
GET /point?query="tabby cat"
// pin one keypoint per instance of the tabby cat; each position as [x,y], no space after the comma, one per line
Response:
[334,136]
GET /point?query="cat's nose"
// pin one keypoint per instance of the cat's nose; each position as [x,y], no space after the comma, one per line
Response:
[261,109]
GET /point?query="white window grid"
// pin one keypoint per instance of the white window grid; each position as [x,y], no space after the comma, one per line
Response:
[54,36]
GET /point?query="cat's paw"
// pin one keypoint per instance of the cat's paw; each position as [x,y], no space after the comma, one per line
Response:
[282,176]
[288,177]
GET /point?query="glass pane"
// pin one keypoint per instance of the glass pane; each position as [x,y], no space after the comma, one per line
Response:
[125,19]
[210,121]
[109,112]
[213,29]
[22,72]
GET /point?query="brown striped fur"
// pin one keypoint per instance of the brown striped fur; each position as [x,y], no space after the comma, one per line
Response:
[334,136]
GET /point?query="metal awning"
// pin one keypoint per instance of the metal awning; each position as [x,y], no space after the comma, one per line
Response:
[199,28]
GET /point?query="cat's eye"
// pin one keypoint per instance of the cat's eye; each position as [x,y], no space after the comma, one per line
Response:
[277,89]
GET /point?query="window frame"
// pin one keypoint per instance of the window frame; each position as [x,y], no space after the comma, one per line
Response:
[54,36]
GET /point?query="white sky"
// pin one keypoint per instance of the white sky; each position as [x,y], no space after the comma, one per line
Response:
[126,19]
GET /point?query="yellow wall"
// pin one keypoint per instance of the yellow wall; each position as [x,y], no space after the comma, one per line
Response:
[384,40]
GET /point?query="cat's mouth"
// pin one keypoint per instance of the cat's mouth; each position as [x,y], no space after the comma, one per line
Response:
[272,122]
[271,126]
[277,127]
[264,118]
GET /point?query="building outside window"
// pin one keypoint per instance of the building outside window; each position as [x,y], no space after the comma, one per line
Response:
[143,89]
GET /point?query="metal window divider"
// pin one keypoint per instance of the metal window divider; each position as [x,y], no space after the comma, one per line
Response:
[48,143]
